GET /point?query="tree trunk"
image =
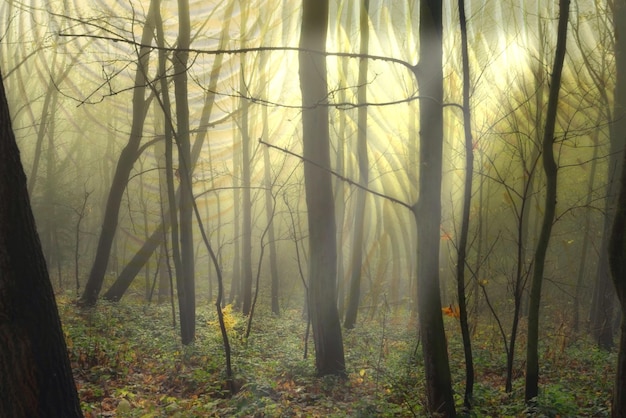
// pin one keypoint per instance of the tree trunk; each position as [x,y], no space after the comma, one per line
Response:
[617,262]
[354,294]
[269,204]
[602,309]
[124,166]
[186,280]
[429,74]
[329,357]
[586,240]
[35,374]
[618,409]
[550,169]
[246,230]
[465,216]
[617,245]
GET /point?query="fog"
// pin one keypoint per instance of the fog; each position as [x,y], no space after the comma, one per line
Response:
[70,69]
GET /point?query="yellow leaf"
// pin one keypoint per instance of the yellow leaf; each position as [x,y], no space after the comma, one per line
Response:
[362,372]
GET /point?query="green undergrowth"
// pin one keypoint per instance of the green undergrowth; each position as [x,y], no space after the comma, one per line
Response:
[128,362]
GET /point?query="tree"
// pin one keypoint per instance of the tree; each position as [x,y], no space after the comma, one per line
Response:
[127,275]
[602,310]
[465,216]
[246,204]
[124,166]
[550,169]
[185,281]
[329,357]
[363,162]
[617,244]
[35,373]
[617,261]
[427,212]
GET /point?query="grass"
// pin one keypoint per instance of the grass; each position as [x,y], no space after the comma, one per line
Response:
[128,361]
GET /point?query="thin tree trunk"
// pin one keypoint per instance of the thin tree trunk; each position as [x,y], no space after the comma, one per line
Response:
[340,163]
[465,216]
[550,169]
[586,240]
[269,204]
[246,256]
[354,294]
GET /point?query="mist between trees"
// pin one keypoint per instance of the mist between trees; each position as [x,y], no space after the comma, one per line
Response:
[334,159]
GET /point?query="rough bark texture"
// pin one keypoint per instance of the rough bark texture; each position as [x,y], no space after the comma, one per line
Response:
[429,74]
[550,169]
[35,374]
[329,357]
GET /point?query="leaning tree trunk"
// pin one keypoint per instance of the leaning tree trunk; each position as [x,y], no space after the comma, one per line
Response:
[429,74]
[124,166]
[550,169]
[35,374]
[329,357]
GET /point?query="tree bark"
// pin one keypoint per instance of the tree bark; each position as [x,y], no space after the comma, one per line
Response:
[429,74]
[35,374]
[329,356]
[550,169]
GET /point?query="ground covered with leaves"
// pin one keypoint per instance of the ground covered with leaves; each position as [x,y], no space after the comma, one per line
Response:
[128,362]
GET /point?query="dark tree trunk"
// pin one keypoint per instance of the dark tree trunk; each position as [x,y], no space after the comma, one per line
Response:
[329,357]
[618,409]
[617,261]
[465,216]
[602,309]
[550,169]
[35,374]
[429,74]
[617,245]
[185,281]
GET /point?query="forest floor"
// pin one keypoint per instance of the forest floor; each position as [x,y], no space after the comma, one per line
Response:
[128,362]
